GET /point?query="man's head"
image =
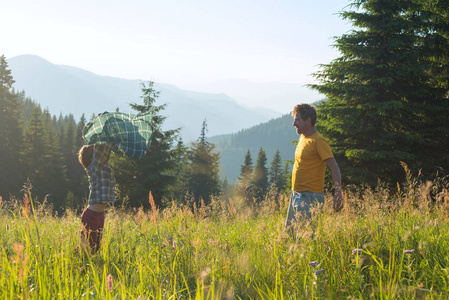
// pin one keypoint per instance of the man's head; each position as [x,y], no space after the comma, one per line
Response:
[306,111]
[86,155]
[304,118]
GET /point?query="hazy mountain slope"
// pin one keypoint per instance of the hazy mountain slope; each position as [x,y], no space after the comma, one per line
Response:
[70,90]
[272,135]
[278,96]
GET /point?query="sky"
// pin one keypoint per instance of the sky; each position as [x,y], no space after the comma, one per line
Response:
[185,43]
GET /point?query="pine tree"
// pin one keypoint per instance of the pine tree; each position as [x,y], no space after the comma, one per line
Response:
[228,189]
[26,106]
[59,126]
[34,154]
[79,184]
[276,176]
[287,178]
[179,189]
[260,175]
[10,134]
[203,181]
[437,39]
[246,170]
[69,150]
[79,141]
[382,106]
[244,184]
[68,142]
[54,172]
[136,178]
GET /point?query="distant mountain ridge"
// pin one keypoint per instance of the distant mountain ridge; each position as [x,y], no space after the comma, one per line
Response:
[70,90]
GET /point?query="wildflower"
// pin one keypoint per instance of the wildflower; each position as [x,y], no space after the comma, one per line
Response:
[110,282]
[174,244]
[436,222]
[319,272]
[357,251]
[205,273]
[409,251]
[56,213]
[7,226]
[45,231]
[26,205]
[314,263]
[21,260]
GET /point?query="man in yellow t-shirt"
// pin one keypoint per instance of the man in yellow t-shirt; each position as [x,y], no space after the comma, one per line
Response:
[312,155]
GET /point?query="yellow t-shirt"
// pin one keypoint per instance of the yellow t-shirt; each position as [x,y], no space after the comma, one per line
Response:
[309,167]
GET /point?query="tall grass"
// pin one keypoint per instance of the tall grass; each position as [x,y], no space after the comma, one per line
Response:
[383,245]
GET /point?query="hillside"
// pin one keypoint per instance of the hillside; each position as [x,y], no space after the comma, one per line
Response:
[276,134]
[70,90]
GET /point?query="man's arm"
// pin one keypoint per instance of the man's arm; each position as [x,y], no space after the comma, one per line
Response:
[336,176]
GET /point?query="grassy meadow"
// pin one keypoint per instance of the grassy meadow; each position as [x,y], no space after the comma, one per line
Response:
[382,245]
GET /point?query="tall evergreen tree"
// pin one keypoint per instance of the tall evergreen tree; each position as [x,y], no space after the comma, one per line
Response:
[276,174]
[69,150]
[34,152]
[26,106]
[10,134]
[180,188]
[136,178]
[382,106]
[246,170]
[203,178]
[228,189]
[79,181]
[244,185]
[260,175]
[54,171]
[68,141]
[79,141]
[437,39]
[287,182]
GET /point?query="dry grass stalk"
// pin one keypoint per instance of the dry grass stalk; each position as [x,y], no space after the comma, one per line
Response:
[154,209]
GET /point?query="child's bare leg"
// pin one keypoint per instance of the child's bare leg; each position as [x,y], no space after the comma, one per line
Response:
[93,223]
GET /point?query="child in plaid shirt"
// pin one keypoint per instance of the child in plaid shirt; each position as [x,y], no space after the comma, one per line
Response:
[126,132]
[94,159]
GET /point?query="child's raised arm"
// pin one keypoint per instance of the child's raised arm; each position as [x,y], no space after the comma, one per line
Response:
[107,152]
[102,152]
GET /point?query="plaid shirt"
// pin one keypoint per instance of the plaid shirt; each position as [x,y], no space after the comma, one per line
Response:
[101,177]
[131,133]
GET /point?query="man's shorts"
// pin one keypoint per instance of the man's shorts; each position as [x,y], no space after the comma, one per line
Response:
[302,202]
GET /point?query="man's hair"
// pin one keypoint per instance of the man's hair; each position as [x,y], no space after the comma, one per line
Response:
[305,111]
[86,155]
